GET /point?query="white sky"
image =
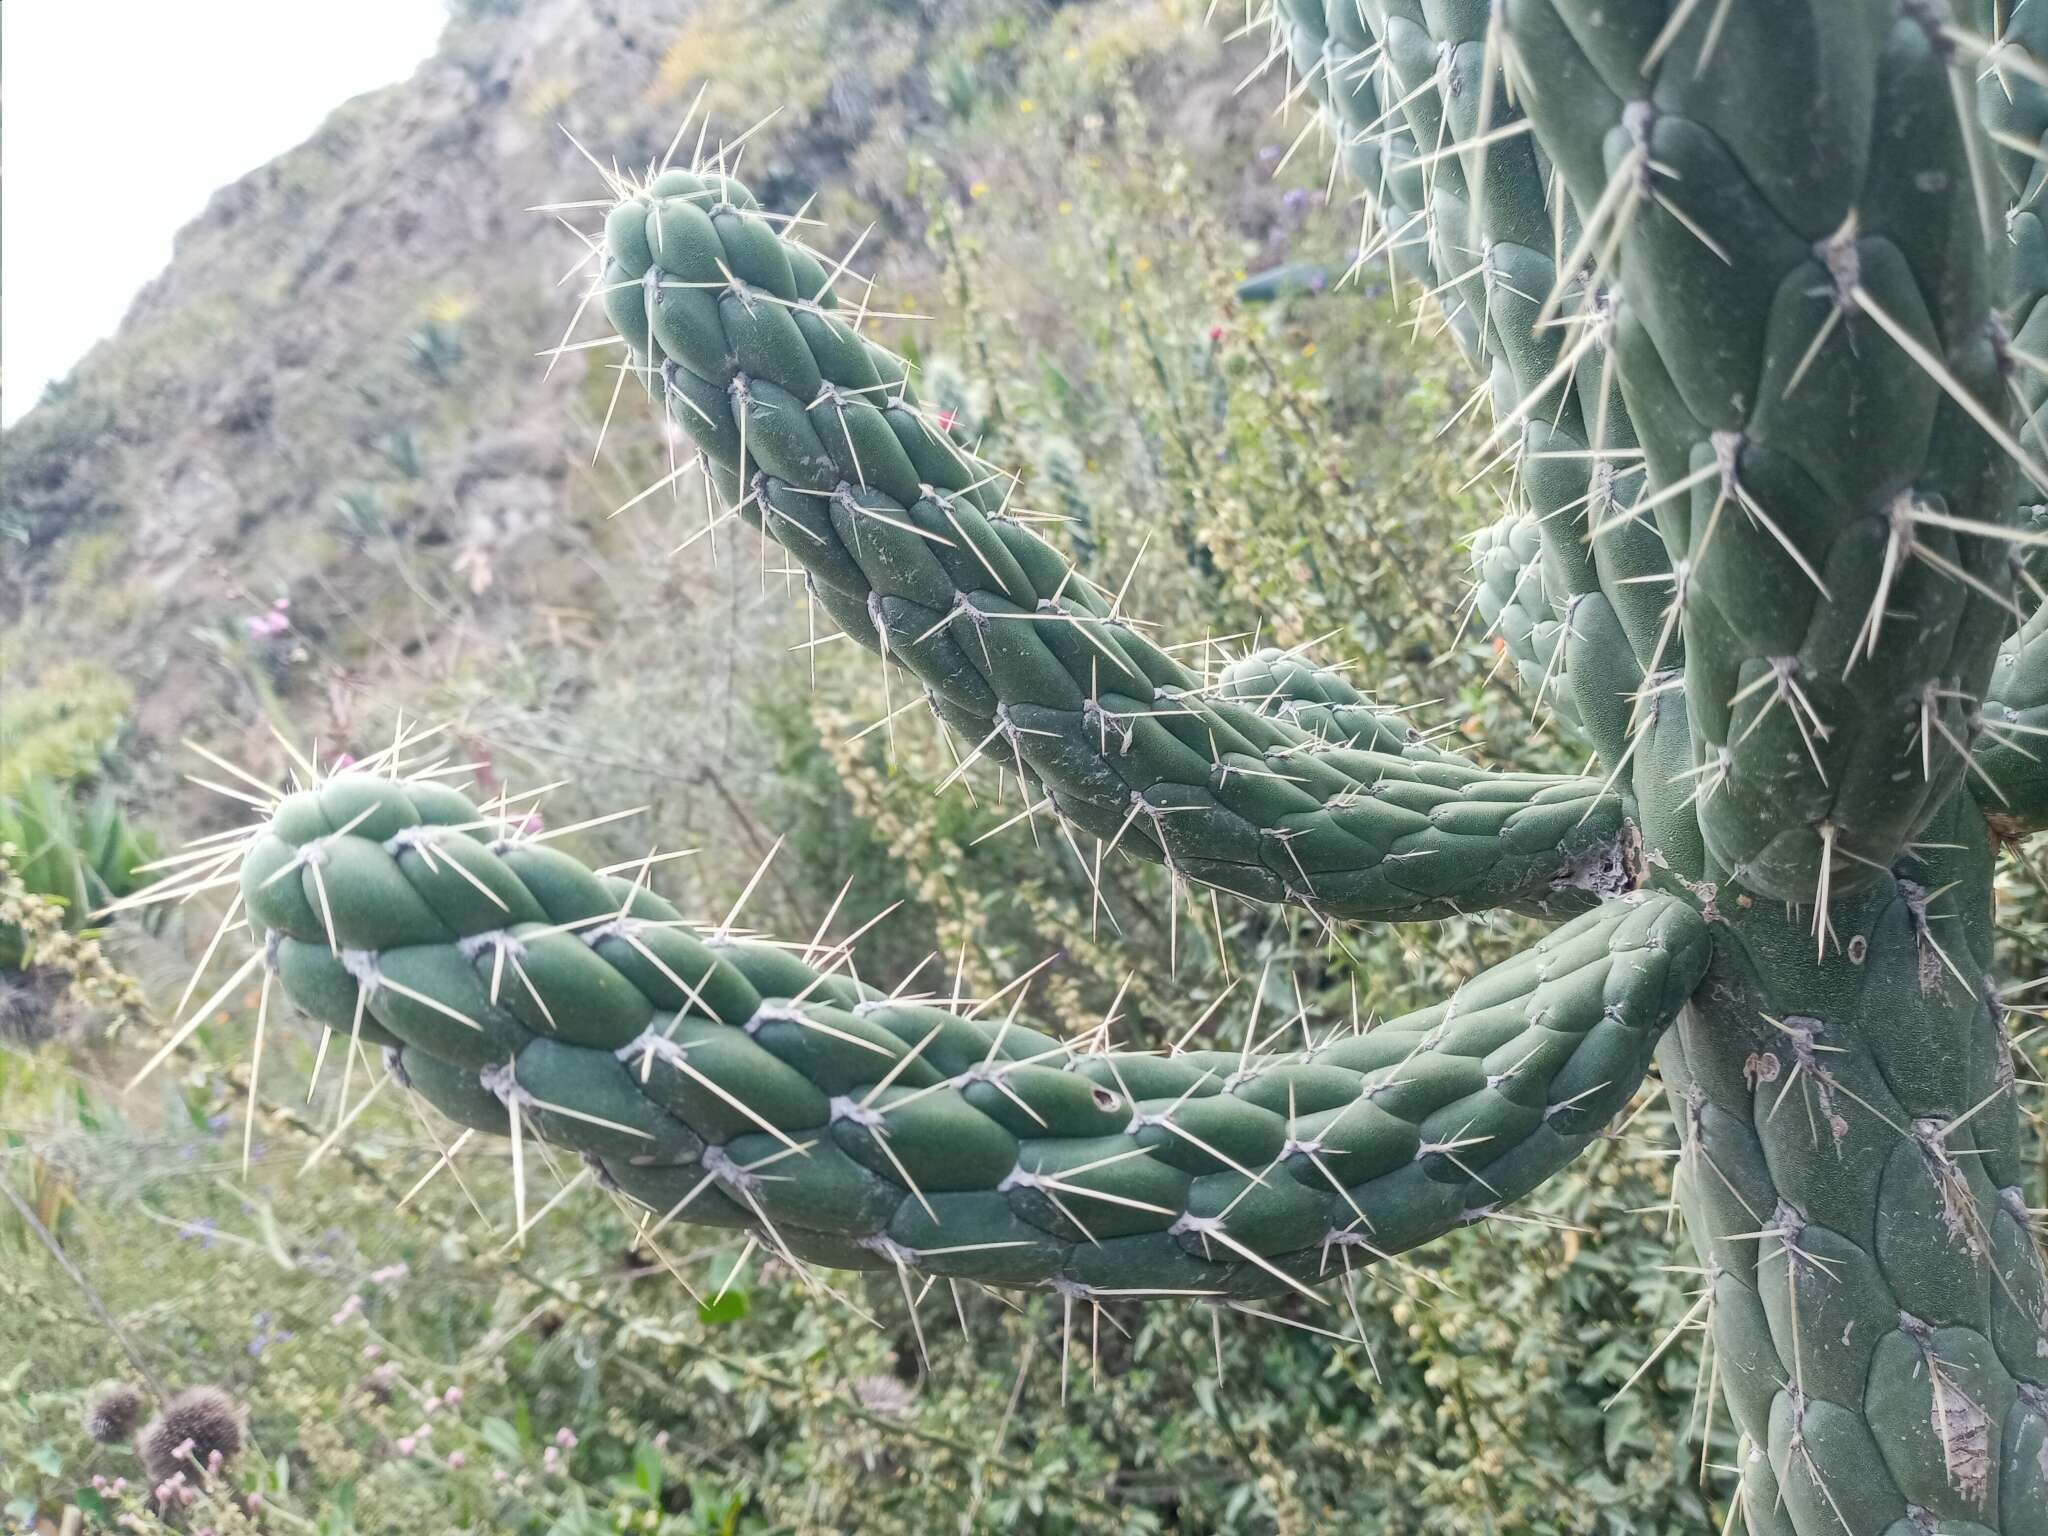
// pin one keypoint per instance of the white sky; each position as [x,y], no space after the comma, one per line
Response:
[123,116]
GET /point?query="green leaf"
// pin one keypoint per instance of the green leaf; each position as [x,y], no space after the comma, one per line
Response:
[729,1308]
[502,1438]
[647,1469]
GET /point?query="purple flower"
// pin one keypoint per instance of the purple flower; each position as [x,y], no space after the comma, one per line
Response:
[1294,199]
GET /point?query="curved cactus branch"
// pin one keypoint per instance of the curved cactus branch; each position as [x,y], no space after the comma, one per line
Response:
[1321,701]
[817,437]
[726,1081]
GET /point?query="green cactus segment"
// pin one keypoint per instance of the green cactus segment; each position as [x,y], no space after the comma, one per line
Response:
[1374,145]
[1284,686]
[1786,285]
[727,1081]
[1513,599]
[1492,257]
[1879,1311]
[2009,774]
[2014,105]
[817,437]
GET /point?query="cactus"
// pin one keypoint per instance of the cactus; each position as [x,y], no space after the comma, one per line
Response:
[521,994]
[1741,289]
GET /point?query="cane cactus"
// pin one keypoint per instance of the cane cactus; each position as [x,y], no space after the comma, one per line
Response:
[1752,282]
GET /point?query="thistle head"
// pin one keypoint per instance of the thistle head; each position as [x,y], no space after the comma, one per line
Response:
[191,1429]
[113,1410]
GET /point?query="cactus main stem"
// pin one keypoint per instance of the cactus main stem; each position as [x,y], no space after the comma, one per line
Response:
[1851,1174]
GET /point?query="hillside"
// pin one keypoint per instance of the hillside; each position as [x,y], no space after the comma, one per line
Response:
[321,465]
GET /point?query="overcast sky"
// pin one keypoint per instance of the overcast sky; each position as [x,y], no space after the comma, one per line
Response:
[123,116]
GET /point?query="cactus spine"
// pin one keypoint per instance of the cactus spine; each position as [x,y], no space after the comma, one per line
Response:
[1742,291]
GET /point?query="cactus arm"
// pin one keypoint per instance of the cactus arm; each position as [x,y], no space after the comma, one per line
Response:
[1495,257]
[1767,268]
[733,1082]
[2010,771]
[815,435]
[1331,49]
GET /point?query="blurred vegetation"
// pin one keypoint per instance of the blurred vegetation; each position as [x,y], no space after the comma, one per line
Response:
[1086,206]
[63,728]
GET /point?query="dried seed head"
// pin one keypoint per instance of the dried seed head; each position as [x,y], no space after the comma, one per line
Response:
[192,1426]
[113,1410]
[886,1395]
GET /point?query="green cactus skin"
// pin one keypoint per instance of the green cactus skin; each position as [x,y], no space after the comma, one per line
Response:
[1496,261]
[506,979]
[1511,595]
[1317,700]
[1818,452]
[1760,558]
[2011,764]
[2014,107]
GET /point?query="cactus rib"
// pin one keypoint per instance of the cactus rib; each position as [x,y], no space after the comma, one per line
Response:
[1512,596]
[1494,258]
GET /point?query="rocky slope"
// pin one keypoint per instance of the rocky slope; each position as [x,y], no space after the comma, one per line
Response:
[320,473]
